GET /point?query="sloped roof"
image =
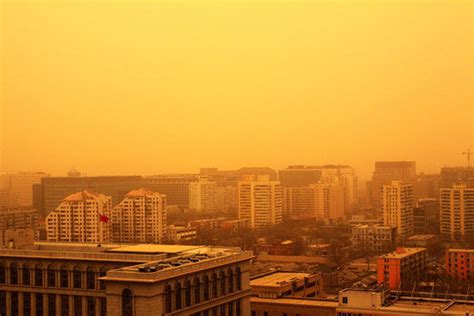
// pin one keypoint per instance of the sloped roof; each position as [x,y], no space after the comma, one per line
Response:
[84,195]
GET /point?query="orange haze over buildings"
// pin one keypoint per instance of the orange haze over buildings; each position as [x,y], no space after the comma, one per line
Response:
[140,87]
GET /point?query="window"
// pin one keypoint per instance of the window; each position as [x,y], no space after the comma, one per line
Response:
[76,278]
[2,274]
[345,300]
[222,283]
[187,293]
[239,278]
[177,290]
[90,305]
[102,273]
[214,285]
[168,299]
[90,279]
[26,275]
[103,306]
[206,288]
[231,280]
[39,279]
[14,308]
[13,274]
[39,304]
[26,304]
[63,277]
[127,303]
[64,305]
[52,305]
[51,275]
[77,306]
[197,291]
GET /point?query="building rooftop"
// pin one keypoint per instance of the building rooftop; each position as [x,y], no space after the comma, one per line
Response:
[402,252]
[421,237]
[140,192]
[301,301]
[278,278]
[155,249]
[84,195]
[461,250]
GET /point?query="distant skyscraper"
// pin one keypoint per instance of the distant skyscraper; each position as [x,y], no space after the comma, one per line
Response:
[299,176]
[298,202]
[450,176]
[202,195]
[387,171]
[457,213]
[52,190]
[329,200]
[397,206]
[81,217]
[260,201]
[174,186]
[140,218]
[19,186]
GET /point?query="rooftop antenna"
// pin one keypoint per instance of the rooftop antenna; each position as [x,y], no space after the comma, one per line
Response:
[468,154]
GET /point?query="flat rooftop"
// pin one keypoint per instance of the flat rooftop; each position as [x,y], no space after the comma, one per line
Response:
[421,237]
[154,249]
[402,252]
[300,302]
[278,278]
[461,250]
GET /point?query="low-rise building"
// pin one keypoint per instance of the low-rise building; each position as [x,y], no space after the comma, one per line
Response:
[458,264]
[84,279]
[401,267]
[286,284]
[181,234]
[373,238]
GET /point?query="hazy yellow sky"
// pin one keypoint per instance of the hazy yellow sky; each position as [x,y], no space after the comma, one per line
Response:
[143,87]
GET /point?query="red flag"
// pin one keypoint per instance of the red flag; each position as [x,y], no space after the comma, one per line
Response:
[104,218]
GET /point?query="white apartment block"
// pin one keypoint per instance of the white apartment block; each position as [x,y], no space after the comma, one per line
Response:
[202,195]
[373,238]
[328,200]
[397,206]
[81,217]
[140,218]
[457,213]
[260,201]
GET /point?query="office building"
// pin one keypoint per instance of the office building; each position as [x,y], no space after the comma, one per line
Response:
[397,207]
[373,238]
[329,200]
[427,186]
[401,268]
[52,190]
[83,279]
[203,195]
[457,213]
[140,218]
[426,216]
[81,217]
[298,202]
[260,201]
[299,176]
[387,171]
[19,187]
[174,186]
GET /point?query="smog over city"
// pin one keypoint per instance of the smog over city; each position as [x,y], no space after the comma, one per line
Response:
[236,157]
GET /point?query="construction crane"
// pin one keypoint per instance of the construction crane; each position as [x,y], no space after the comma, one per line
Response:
[468,154]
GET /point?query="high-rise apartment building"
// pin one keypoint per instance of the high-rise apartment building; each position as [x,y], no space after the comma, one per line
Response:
[329,200]
[81,217]
[260,201]
[203,195]
[140,218]
[397,206]
[457,213]
[387,171]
